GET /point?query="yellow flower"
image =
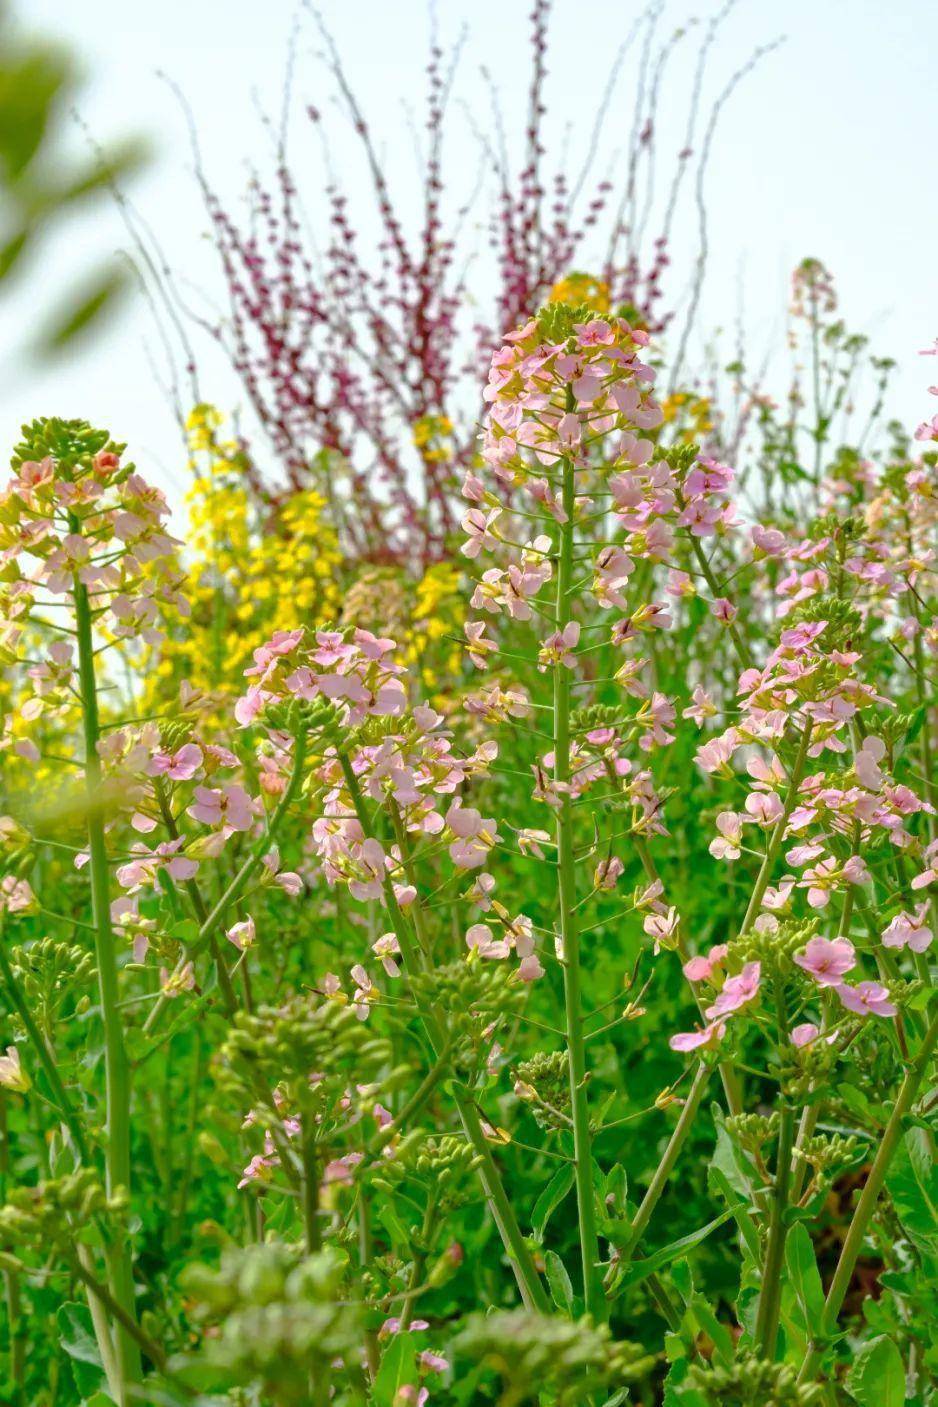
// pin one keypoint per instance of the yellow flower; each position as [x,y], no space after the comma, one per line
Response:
[579,288]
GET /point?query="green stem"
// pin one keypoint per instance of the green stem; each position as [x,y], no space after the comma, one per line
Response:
[198,903]
[420,1259]
[739,644]
[593,1296]
[770,1298]
[45,1056]
[311,1193]
[116,1066]
[668,1159]
[102,1332]
[127,1322]
[853,1243]
[212,921]
[778,834]
[529,1283]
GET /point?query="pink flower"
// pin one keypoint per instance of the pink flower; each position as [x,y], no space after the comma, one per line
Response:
[867,999]
[479,938]
[662,927]
[765,807]
[726,845]
[826,960]
[702,969]
[804,1034]
[370,871]
[768,542]
[214,806]
[736,991]
[867,760]
[693,1040]
[558,648]
[386,948]
[715,755]
[607,873]
[702,707]
[909,931]
[724,610]
[242,934]
[180,765]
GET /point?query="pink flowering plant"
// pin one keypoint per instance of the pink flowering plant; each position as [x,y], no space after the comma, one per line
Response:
[565,1036]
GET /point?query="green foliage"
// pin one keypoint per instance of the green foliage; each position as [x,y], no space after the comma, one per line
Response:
[39,84]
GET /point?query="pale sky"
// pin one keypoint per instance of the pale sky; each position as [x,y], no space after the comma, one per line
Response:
[826,150]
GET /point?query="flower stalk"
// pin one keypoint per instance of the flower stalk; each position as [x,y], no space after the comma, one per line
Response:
[593,1297]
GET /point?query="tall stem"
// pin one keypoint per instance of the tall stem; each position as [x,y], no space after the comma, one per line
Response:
[529,1282]
[853,1243]
[236,888]
[668,1159]
[116,1067]
[593,1296]
[778,834]
[770,1298]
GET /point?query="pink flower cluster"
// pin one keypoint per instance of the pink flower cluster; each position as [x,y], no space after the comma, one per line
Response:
[356,671]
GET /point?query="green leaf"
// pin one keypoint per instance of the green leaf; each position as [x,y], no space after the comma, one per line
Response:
[398,1369]
[617,1188]
[877,1378]
[639,1270]
[743,1220]
[803,1273]
[99,295]
[550,1199]
[559,1282]
[912,1184]
[76,1338]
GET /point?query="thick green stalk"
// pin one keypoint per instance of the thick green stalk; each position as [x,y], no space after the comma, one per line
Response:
[668,1159]
[593,1296]
[116,1065]
[853,1243]
[770,1297]
[529,1282]
[311,1191]
[127,1322]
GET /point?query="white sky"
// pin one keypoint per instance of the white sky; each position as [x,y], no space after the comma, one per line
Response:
[827,150]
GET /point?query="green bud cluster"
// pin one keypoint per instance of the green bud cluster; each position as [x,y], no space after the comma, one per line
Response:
[567,1360]
[174,732]
[753,1382]
[473,994]
[441,1166]
[679,458]
[281,1047]
[844,622]
[775,949]
[753,1131]
[547,1076]
[72,443]
[556,321]
[279,1320]
[830,1155]
[584,720]
[50,1214]
[846,529]
[49,972]
[320,717]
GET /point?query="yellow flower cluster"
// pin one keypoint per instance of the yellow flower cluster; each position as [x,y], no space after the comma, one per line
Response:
[578,288]
[252,568]
[690,415]
[432,435]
